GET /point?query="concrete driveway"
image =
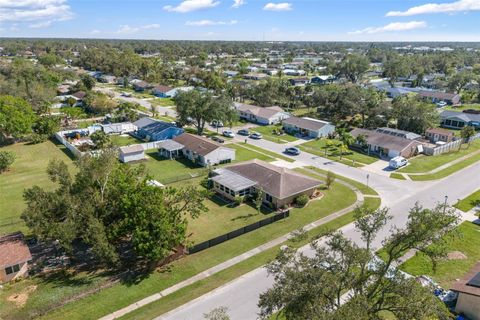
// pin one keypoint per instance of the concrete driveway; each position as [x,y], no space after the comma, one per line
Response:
[380,167]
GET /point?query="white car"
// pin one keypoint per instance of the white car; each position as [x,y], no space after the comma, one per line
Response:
[441,104]
[398,162]
[228,133]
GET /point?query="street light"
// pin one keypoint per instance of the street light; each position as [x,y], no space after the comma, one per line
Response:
[445,204]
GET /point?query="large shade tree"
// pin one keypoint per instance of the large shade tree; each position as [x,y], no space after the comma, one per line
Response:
[107,204]
[343,280]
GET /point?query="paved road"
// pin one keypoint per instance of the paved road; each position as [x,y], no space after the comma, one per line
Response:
[241,295]
[143,102]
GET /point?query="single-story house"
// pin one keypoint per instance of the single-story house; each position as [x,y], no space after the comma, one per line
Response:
[141,86]
[254,76]
[261,115]
[458,120]
[281,186]
[400,133]
[271,72]
[170,149]
[386,145]
[204,151]
[107,79]
[14,257]
[156,130]
[131,153]
[435,135]
[437,96]
[468,289]
[118,128]
[309,127]
[164,91]
[299,81]
[323,79]
[63,89]
[293,72]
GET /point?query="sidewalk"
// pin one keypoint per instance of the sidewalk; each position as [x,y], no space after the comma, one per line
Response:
[233,261]
[444,166]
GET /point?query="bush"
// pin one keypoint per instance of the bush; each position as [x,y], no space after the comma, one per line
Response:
[6,160]
[37,138]
[302,200]
[238,200]
[206,183]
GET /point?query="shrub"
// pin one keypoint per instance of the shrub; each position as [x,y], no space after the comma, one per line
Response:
[238,200]
[37,138]
[6,160]
[302,200]
[206,183]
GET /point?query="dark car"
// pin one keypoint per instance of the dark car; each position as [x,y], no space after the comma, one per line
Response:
[217,139]
[243,132]
[293,151]
[256,136]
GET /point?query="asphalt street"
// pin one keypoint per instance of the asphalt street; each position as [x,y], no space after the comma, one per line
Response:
[241,295]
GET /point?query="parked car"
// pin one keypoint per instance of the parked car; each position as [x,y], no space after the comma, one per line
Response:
[243,132]
[398,162]
[126,94]
[441,104]
[228,133]
[256,136]
[216,124]
[217,139]
[293,151]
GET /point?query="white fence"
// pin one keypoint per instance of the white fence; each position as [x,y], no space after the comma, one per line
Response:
[451,146]
[475,137]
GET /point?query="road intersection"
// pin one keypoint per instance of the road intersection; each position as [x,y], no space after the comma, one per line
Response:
[241,295]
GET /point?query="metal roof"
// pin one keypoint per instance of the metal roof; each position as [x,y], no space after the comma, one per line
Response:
[232,180]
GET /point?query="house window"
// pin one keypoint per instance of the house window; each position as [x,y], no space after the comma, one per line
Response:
[12,269]
[268,197]
[232,192]
[227,190]
[222,187]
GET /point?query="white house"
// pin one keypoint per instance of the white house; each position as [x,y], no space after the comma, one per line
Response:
[164,91]
[261,115]
[203,151]
[131,153]
[120,128]
[308,127]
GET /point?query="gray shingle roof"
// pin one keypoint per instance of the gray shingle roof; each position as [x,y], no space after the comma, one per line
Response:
[170,145]
[467,117]
[384,140]
[263,112]
[305,123]
[134,148]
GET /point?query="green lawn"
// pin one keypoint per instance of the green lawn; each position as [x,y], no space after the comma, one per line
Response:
[469,202]
[267,133]
[244,154]
[423,163]
[475,106]
[162,102]
[223,217]
[398,176]
[268,152]
[124,140]
[318,147]
[448,270]
[447,171]
[29,169]
[101,303]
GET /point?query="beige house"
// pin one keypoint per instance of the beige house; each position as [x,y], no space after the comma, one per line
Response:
[14,257]
[203,151]
[281,186]
[468,289]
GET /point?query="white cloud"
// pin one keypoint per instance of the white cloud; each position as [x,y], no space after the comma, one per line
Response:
[452,7]
[127,29]
[208,23]
[282,6]
[43,24]
[34,10]
[95,31]
[238,3]
[192,5]
[392,27]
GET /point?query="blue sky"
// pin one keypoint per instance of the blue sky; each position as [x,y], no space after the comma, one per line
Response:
[304,20]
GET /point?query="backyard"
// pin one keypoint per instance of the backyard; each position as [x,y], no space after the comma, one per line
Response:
[124,140]
[29,169]
[321,148]
[48,292]
[464,254]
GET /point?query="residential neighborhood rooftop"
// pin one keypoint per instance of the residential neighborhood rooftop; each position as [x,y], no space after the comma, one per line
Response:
[306,123]
[13,250]
[466,285]
[197,144]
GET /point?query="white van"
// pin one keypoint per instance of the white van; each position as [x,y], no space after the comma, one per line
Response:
[398,162]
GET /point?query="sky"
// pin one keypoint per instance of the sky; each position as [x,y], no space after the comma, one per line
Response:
[256,20]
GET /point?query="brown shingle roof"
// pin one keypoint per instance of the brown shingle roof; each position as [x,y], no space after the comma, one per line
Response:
[197,144]
[463,286]
[441,131]
[79,94]
[276,181]
[384,140]
[163,89]
[262,112]
[439,95]
[13,250]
